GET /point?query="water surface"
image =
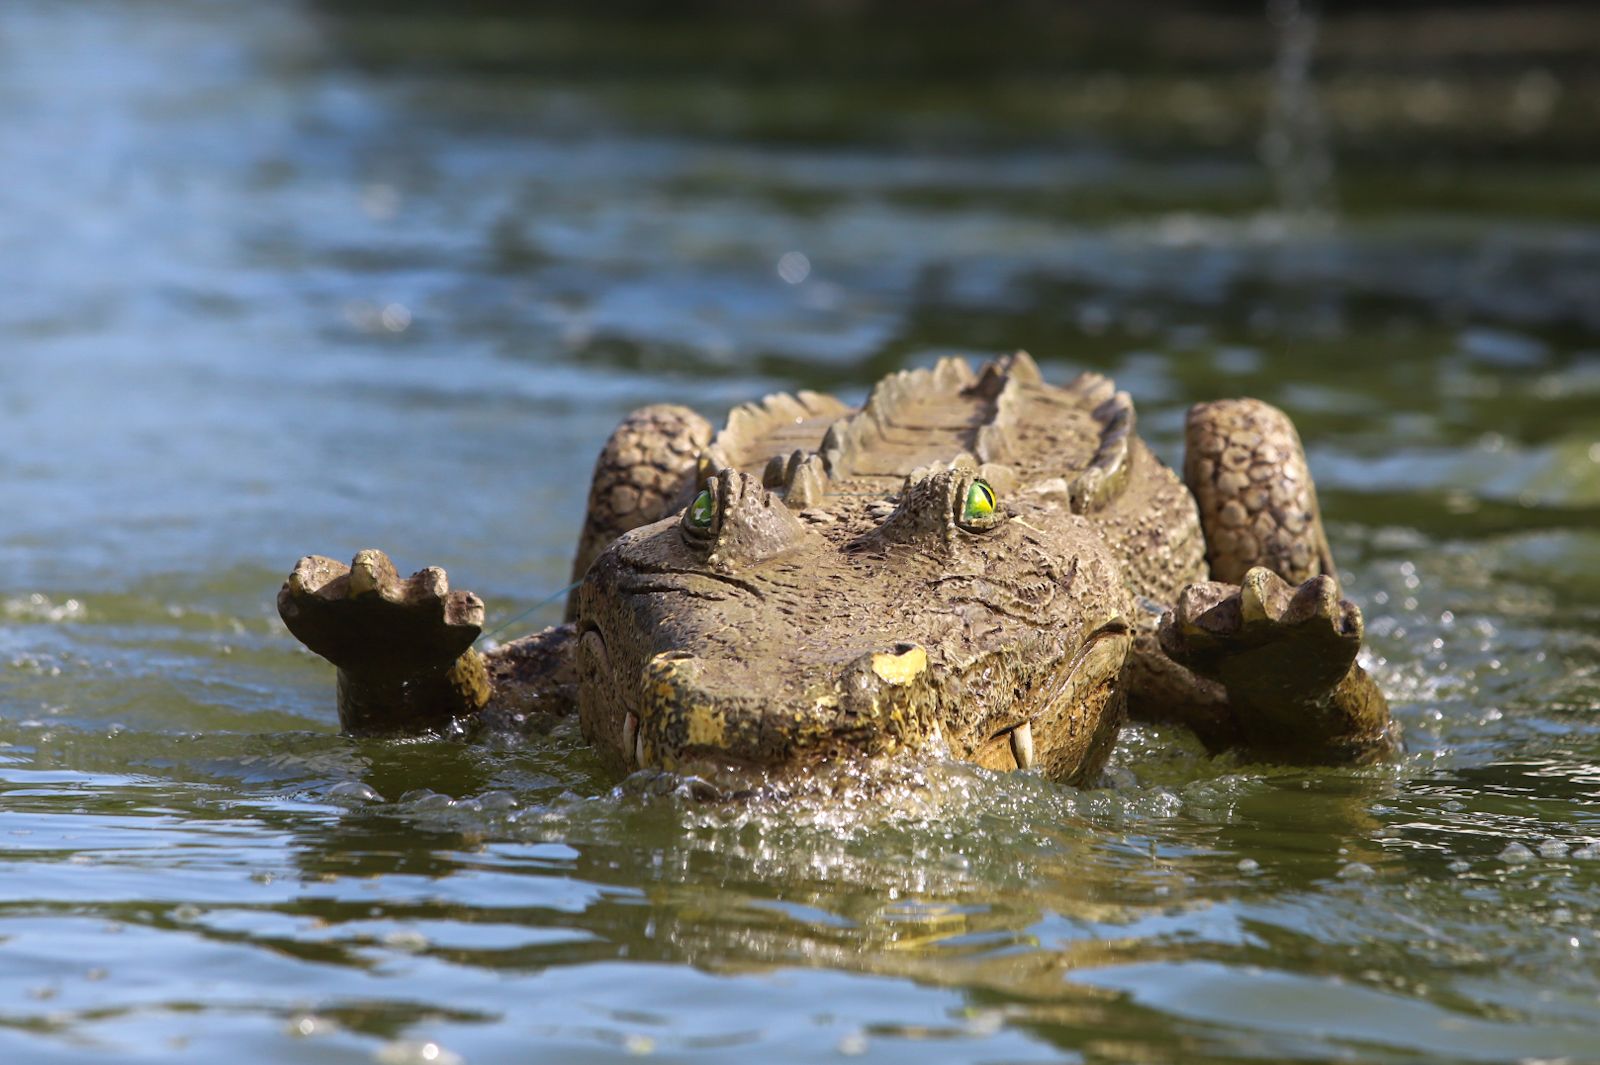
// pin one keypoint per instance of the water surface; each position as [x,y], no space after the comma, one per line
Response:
[287,278]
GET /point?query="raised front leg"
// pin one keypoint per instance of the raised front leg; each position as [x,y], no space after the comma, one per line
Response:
[1244,463]
[1251,660]
[644,473]
[1286,656]
[403,647]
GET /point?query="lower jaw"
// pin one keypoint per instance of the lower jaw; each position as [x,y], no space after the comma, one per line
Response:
[719,768]
[717,775]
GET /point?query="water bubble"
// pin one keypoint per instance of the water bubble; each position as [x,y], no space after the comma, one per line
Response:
[407,939]
[1120,778]
[396,317]
[40,607]
[1516,854]
[794,267]
[1587,853]
[352,791]
[309,1024]
[187,912]
[1356,871]
[1553,848]
[853,1045]
[407,1052]
[1249,866]
[1459,866]
[425,799]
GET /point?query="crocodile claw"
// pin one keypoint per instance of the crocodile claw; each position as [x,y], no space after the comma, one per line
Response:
[366,618]
[1263,638]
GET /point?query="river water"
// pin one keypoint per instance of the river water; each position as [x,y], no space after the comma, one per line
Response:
[293,277]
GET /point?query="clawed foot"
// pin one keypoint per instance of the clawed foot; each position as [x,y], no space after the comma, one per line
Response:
[403,647]
[366,619]
[1269,644]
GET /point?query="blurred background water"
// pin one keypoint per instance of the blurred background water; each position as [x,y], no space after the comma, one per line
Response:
[288,277]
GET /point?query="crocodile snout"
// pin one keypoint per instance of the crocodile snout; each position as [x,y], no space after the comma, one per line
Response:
[693,709]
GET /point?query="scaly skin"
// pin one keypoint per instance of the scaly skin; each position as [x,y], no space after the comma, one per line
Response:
[831,595]
[1244,464]
[639,478]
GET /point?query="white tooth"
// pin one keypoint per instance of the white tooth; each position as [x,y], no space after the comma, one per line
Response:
[630,734]
[638,750]
[1022,745]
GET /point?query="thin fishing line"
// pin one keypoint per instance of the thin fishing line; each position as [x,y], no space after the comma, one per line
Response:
[546,601]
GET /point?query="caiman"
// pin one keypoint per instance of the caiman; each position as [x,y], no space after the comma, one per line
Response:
[974,561]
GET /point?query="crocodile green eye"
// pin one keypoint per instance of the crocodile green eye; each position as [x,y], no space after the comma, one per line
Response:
[980,506]
[702,510]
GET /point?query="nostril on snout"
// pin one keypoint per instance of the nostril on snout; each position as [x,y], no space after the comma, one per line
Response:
[901,664]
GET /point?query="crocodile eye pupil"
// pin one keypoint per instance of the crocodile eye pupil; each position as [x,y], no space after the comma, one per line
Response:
[980,502]
[702,509]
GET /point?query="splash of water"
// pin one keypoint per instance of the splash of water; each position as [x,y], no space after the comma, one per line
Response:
[1294,146]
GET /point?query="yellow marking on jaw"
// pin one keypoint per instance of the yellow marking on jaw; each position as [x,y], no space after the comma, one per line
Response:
[706,727]
[901,668]
[703,722]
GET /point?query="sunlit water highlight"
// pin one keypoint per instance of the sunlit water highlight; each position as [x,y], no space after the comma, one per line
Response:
[279,280]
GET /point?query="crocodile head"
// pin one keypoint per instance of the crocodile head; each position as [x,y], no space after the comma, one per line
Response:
[741,634]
